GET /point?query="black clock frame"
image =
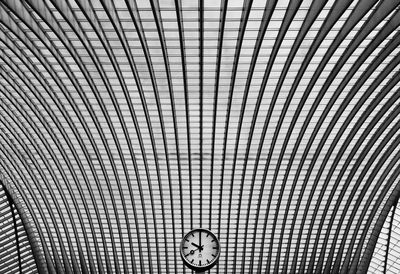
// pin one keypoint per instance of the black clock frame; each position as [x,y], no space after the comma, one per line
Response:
[199,268]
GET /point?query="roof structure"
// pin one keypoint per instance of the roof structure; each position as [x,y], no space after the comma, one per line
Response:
[126,123]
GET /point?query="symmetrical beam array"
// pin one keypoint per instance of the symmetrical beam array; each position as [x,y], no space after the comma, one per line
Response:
[275,124]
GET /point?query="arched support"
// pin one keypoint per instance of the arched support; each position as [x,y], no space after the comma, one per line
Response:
[370,247]
[20,211]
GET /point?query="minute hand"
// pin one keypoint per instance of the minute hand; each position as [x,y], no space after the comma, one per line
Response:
[201,247]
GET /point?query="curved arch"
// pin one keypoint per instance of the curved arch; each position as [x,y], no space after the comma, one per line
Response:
[274,123]
[19,211]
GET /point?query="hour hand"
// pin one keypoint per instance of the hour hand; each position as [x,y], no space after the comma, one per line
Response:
[198,247]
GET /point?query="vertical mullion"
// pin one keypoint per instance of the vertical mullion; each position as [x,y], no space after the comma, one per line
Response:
[389,235]
[201,44]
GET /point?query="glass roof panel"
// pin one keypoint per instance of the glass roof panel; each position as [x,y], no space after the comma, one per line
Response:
[125,124]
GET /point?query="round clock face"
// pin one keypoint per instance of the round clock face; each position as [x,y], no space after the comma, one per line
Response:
[200,249]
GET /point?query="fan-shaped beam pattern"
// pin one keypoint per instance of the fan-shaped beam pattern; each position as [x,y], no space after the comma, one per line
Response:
[272,123]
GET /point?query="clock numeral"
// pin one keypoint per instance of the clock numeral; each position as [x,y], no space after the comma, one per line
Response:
[200,262]
[213,255]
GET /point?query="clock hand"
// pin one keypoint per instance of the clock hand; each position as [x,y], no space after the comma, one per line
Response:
[198,247]
[191,252]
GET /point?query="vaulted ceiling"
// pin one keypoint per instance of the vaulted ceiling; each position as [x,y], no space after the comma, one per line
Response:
[275,124]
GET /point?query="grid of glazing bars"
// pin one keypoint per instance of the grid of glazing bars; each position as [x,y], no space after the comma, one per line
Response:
[275,124]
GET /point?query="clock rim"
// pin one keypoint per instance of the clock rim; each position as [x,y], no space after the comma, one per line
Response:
[194,267]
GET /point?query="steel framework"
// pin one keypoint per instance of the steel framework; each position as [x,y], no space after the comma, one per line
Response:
[275,124]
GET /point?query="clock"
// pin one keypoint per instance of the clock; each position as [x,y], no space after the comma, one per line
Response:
[200,249]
